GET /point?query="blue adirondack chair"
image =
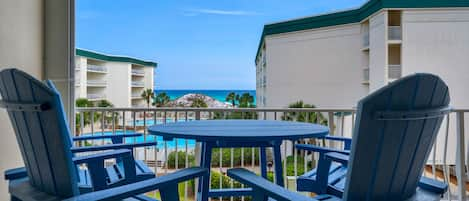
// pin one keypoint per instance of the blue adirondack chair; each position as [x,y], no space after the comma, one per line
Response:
[395,130]
[37,116]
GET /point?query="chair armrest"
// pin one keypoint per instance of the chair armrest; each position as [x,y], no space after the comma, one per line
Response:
[15,173]
[347,141]
[95,165]
[115,138]
[336,138]
[111,147]
[102,156]
[263,188]
[129,190]
[319,149]
[337,157]
[432,185]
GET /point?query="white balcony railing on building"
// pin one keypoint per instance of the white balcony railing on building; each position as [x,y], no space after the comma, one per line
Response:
[138,83]
[447,161]
[96,82]
[138,72]
[96,68]
[136,95]
[95,96]
[366,40]
[394,33]
[366,75]
[394,71]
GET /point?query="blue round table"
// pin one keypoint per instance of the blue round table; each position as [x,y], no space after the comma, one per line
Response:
[238,133]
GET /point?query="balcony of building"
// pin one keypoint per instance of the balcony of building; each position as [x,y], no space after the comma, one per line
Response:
[394,72]
[161,159]
[138,84]
[96,68]
[96,83]
[366,76]
[138,72]
[96,96]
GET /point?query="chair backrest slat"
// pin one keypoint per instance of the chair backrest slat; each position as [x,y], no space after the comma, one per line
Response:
[388,156]
[43,136]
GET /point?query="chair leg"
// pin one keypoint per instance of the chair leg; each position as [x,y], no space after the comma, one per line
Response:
[170,193]
[258,195]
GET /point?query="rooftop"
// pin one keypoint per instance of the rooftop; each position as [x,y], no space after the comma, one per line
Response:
[106,57]
[351,16]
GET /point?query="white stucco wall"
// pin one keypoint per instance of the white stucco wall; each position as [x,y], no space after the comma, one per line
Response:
[80,77]
[118,83]
[437,41]
[322,67]
[378,51]
[21,46]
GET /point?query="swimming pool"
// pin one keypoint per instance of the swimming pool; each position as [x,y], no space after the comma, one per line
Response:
[181,143]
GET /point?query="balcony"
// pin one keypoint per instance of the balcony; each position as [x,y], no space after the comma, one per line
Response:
[136,96]
[366,76]
[96,83]
[366,42]
[394,71]
[440,163]
[96,96]
[137,72]
[395,34]
[138,84]
[96,69]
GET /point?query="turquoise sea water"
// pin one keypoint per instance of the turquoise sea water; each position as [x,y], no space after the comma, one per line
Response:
[219,95]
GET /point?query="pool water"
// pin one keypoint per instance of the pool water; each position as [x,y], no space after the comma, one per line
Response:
[181,143]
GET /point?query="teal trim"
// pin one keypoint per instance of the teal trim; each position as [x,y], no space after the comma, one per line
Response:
[352,16]
[99,56]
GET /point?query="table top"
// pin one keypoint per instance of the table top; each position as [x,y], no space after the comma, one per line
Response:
[238,130]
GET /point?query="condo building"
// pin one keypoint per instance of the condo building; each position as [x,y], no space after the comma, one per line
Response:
[117,79]
[334,59]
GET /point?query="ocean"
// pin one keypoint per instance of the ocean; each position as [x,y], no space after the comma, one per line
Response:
[219,95]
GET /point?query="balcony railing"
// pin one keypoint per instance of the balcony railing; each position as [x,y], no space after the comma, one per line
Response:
[96,96]
[366,75]
[96,82]
[394,71]
[136,95]
[138,72]
[447,161]
[395,33]
[366,40]
[96,68]
[138,84]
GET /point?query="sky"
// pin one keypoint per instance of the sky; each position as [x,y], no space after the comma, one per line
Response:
[198,44]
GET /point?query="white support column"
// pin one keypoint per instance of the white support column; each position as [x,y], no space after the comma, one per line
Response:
[59,50]
[460,157]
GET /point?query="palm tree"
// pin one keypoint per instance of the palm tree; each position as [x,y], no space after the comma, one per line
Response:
[246,100]
[232,97]
[148,95]
[104,103]
[83,102]
[311,117]
[198,102]
[161,100]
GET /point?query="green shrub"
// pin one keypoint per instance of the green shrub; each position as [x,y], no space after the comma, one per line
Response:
[226,160]
[300,165]
[181,159]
